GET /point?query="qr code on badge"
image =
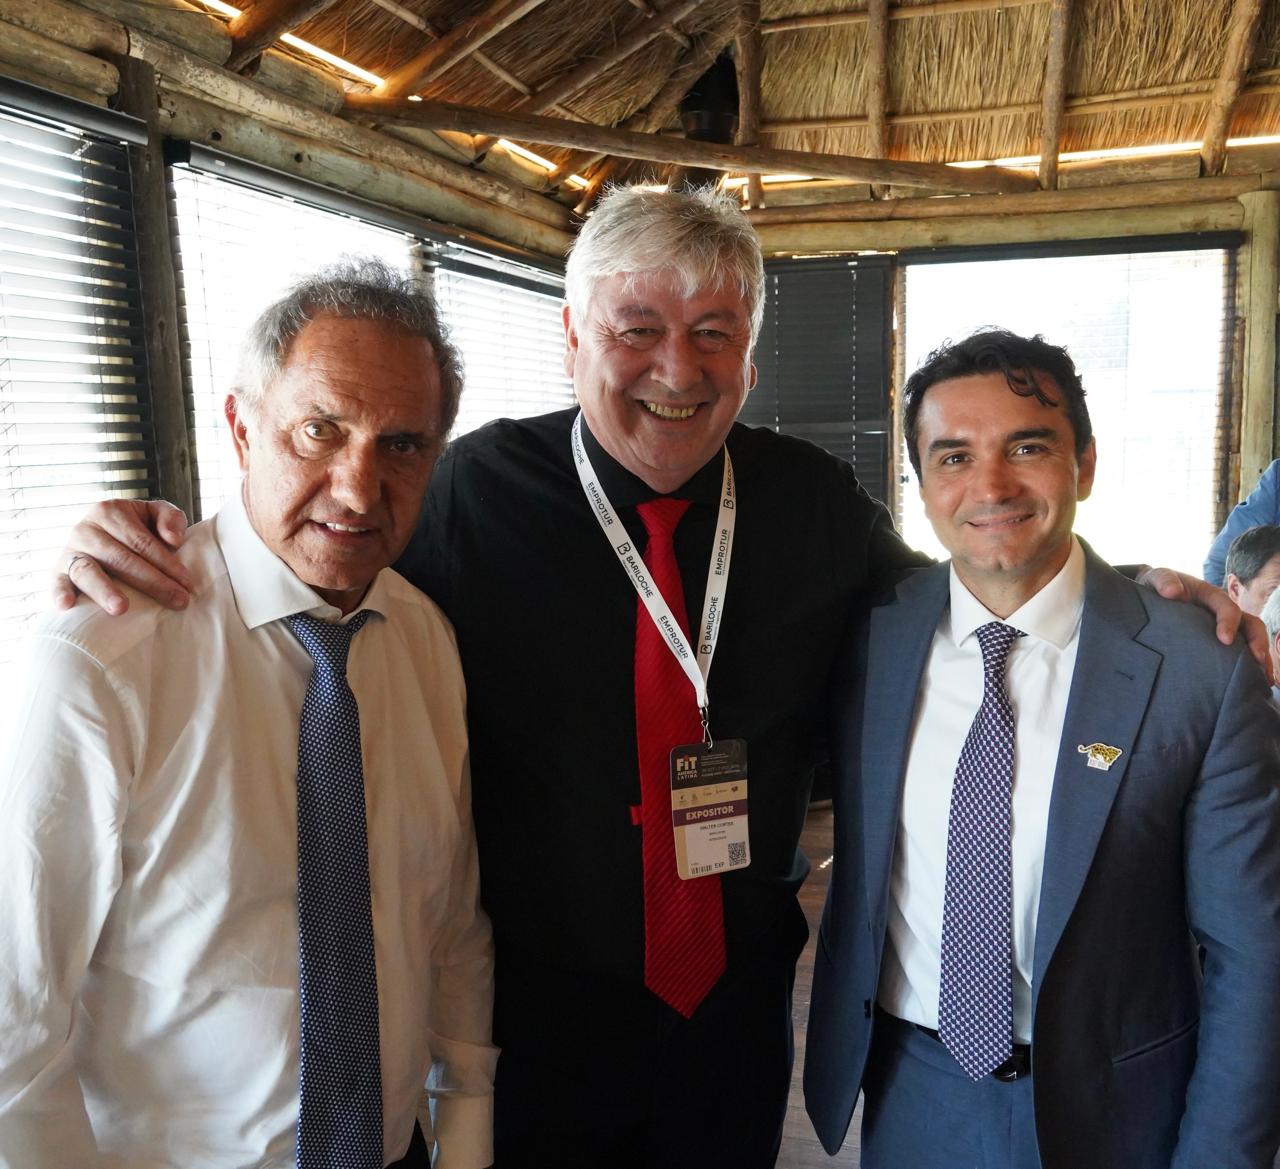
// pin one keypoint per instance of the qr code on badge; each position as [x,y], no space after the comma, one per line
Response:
[737,852]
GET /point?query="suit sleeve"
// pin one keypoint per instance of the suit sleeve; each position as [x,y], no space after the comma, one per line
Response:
[1262,507]
[1232,843]
[63,794]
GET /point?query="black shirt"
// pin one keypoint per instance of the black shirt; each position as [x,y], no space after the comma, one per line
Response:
[545,617]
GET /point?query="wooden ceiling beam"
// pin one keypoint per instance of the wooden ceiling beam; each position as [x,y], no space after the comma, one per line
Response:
[457,44]
[749,62]
[567,84]
[878,84]
[1053,99]
[523,127]
[668,29]
[480,58]
[898,12]
[256,29]
[1243,35]
[661,106]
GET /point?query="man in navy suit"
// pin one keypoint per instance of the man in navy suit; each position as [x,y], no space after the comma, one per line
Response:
[1053,931]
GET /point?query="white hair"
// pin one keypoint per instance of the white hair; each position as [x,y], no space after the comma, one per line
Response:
[359,288]
[698,234]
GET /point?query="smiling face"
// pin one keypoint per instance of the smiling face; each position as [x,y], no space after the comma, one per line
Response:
[660,375]
[1000,481]
[337,455]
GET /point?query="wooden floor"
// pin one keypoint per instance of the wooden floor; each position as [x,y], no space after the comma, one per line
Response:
[800,1148]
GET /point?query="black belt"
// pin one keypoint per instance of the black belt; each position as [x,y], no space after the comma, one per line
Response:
[1016,1067]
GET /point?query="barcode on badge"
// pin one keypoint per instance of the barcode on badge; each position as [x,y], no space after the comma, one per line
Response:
[737,852]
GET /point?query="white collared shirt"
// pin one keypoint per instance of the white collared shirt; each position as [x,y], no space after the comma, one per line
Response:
[1038,681]
[148,886]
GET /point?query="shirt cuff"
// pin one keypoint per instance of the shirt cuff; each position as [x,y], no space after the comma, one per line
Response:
[463,1132]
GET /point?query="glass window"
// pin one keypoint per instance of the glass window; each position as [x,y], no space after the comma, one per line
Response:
[75,419]
[1148,332]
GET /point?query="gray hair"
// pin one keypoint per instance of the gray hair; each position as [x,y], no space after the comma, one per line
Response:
[1271,614]
[359,288]
[698,234]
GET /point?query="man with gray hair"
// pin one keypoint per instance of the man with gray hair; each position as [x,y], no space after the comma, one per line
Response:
[1253,567]
[239,901]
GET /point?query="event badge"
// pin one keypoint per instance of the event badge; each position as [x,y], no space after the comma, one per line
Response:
[709,807]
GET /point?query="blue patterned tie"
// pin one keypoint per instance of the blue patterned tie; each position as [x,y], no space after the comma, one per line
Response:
[975,1004]
[340,1080]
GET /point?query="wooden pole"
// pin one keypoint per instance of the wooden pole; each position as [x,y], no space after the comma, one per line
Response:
[255,29]
[457,44]
[905,12]
[480,58]
[706,49]
[162,337]
[668,29]
[40,56]
[877,84]
[319,160]
[808,238]
[1054,95]
[749,60]
[1243,34]
[470,193]
[1260,277]
[68,24]
[1158,194]
[570,83]
[432,115]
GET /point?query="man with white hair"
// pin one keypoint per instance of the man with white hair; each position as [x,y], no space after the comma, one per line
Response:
[1271,619]
[239,917]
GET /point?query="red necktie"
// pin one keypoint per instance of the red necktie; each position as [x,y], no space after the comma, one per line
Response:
[683,920]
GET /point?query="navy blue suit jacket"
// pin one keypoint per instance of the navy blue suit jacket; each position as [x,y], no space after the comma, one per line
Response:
[1143,1058]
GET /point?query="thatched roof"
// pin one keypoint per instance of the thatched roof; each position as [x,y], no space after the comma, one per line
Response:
[945,69]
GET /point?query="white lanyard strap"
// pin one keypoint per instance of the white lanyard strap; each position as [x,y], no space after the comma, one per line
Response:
[695,665]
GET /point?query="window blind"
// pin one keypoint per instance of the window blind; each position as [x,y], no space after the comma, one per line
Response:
[237,250]
[507,324]
[823,360]
[75,415]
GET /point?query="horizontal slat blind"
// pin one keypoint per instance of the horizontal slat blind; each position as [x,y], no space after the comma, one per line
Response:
[822,360]
[75,418]
[512,344]
[238,249]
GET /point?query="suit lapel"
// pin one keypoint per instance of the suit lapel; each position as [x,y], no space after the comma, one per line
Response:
[898,640]
[1110,691]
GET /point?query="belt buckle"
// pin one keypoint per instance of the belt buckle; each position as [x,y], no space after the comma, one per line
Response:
[1016,1067]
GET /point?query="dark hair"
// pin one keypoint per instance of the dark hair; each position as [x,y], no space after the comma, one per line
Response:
[1020,359]
[1251,552]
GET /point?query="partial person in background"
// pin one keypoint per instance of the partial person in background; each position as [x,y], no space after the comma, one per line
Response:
[1262,507]
[1271,619]
[239,918]
[1253,567]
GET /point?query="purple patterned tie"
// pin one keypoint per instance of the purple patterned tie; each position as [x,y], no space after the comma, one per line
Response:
[975,1005]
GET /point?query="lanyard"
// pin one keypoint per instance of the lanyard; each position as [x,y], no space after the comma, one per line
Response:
[695,665]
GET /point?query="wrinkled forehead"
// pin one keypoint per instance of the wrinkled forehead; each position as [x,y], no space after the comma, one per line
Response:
[670,289]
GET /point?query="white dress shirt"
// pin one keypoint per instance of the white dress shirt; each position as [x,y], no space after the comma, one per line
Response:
[148,886]
[1038,681]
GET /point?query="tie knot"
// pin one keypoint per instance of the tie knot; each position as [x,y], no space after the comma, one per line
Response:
[327,643]
[660,516]
[996,639]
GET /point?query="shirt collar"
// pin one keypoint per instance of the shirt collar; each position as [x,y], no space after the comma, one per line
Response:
[1052,615]
[264,587]
[626,490]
